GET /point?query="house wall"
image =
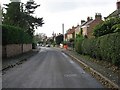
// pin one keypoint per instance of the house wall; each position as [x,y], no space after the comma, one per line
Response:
[91,27]
[69,36]
[84,32]
[77,30]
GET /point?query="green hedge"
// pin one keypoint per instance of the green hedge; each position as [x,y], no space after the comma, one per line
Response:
[78,43]
[14,35]
[106,47]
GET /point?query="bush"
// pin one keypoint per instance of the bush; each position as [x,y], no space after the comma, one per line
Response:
[106,47]
[14,35]
[78,43]
[106,27]
[34,45]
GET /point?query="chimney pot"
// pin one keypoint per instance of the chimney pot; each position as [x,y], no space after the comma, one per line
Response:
[82,21]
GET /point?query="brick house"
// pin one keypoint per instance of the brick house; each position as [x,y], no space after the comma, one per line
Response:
[88,27]
[77,30]
[70,33]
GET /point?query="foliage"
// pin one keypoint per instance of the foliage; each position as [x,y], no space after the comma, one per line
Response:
[14,35]
[12,15]
[116,28]
[106,27]
[39,37]
[106,47]
[34,45]
[20,15]
[78,42]
[59,39]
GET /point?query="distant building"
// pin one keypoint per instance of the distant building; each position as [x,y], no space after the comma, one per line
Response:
[89,25]
[77,30]
[116,13]
[71,33]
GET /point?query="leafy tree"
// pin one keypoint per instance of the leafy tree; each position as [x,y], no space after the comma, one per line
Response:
[106,27]
[12,16]
[59,39]
[20,15]
[39,37]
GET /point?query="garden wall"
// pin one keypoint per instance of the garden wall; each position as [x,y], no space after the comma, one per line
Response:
[15,49]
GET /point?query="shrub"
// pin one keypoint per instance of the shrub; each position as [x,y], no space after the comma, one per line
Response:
[78,43]
[106,47]
[14,35]
[106,27]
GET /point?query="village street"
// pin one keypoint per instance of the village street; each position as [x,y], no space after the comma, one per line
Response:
[50,68]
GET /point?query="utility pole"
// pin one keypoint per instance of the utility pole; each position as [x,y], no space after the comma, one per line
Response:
[63,31]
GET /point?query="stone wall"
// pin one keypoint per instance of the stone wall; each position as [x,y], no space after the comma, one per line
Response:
[27,47]
[15,49]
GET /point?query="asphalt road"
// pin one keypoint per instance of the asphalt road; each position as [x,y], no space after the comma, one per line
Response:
[50,68]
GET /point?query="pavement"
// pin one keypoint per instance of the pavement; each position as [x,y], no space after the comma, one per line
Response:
[12,61]
[49,68]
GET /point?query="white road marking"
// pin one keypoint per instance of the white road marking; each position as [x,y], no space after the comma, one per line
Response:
[70,75]
[65,55]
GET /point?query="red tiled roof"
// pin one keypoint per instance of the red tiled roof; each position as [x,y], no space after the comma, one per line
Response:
[70,31]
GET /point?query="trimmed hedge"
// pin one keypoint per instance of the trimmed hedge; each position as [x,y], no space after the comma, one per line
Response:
[14,35]
[106,47]
[78,42]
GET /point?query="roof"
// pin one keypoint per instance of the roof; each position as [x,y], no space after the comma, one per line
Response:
[83,24]
[87,23]
[116,13]
[70,31]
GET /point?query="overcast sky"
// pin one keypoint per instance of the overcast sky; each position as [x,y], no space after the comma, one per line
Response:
[69,12]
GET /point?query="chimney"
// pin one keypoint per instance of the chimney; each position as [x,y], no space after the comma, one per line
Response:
[118,4]
[89,18]
[82,21]
[98,16]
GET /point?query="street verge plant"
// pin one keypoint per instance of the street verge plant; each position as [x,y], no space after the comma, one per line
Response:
[106,47]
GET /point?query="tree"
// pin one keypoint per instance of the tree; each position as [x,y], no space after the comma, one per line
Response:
[39,37]
[20,15]
[12,15]
[106,27]
[59,39]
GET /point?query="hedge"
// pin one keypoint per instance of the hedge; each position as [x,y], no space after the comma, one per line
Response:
[106,48]
[14,35]
[78,42]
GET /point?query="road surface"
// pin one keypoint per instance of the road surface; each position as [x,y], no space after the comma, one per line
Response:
[50,68]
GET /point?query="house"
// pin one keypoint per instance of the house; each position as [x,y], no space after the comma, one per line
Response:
[116,13]
[88,27]
[77,30]
[70,33]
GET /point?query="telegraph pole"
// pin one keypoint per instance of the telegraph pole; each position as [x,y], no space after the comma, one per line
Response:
[63,31]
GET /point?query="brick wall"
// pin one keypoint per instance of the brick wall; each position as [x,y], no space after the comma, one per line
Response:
[91,27]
